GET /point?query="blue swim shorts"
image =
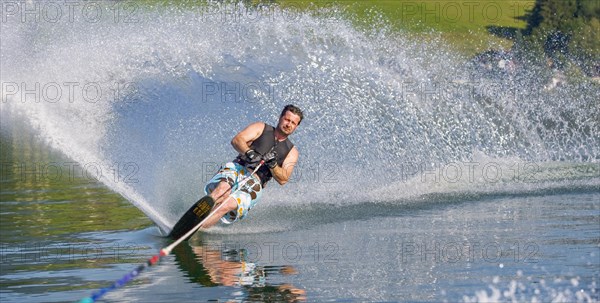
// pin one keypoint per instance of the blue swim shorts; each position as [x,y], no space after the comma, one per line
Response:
[246,197]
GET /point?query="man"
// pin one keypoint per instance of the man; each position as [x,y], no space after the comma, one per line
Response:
[257,142]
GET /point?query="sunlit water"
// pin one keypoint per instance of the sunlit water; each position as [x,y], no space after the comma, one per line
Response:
[421,178]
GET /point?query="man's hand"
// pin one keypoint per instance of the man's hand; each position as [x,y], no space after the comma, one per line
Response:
[252,156]
[271,159]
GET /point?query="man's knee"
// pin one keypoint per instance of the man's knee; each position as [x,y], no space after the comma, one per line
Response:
[230,204]
[222,188]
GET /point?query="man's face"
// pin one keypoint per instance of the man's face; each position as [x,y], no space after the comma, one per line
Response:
[288,123]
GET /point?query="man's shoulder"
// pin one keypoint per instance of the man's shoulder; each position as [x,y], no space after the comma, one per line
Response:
[293,153]
[291,145]
[257,126]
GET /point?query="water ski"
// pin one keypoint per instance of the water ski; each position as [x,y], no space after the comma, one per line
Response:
[198,212]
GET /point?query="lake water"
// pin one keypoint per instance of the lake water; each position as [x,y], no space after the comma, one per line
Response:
[63,238]
[422,177]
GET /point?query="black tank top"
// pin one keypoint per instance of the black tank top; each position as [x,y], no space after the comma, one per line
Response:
[264,144]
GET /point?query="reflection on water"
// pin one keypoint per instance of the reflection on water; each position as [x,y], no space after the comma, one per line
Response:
[42,193]
[214,263]
[441,249]
[58,240]
[48,204]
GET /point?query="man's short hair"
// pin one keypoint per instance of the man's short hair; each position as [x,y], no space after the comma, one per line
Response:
[294,109]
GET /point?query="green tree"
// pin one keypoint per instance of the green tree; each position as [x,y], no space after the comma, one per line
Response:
[584,47]
[568,30]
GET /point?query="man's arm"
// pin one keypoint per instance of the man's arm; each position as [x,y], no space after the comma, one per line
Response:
[241,142]
[282,174]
